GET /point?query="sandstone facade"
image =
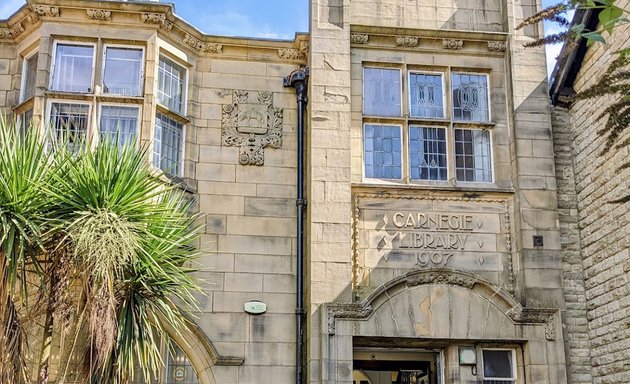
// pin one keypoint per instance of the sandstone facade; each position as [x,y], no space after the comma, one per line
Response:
[439,246]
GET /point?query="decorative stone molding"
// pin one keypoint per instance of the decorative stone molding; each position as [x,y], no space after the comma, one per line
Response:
[452,44]
[346,311]
[45,10]
[497,46]
[214,48]
[407,41]
[441,277]
[544,316]
[200,46]
[157,19]
[99,14]
[293,53]
[359,38]
[17,29]
[5,33]
[252,123]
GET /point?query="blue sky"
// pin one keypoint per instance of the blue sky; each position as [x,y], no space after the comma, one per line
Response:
[273,19]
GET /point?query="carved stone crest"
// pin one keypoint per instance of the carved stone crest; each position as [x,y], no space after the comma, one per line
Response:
[5,33]
[359,38]
[45,10]
[407,41]
[497,46]
[452,44]
[251,122]
[99,14]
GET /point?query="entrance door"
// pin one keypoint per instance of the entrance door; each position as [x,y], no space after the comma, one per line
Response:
[384,366]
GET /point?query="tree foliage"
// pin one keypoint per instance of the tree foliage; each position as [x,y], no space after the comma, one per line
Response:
[101,241]
[614,82]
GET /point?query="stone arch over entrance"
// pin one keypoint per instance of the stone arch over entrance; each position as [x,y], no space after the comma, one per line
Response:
[200,351]
[442,304]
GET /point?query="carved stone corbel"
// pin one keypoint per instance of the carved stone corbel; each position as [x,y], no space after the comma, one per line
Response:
[359,38]
[157,19]
[497,46]
[295,53]
[542,316]
[452,44]
[99,14]
[45,10]
[17,29]
[407,41]
[252,123]
[5,33]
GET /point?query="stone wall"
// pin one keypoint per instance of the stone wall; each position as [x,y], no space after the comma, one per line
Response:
[574,317]
[605,226]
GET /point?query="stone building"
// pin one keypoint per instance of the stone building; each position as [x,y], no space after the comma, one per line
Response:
[595,227]
[431,247]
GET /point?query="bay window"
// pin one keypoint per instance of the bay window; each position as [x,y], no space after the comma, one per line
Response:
[413,132]
[168,137]
[119,123]
[29,73]
[70,122]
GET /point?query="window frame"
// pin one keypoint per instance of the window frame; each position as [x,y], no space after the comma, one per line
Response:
[96,135]
[50,130]
[53,64]
[184,96]
[454,71]
[26,57]
[406,121]
[170,115]
[514,363]
[142,67]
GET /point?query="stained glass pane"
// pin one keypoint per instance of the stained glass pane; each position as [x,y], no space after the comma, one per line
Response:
[382,151]
[427,153]
[381,92]
[426,96]
[470,97]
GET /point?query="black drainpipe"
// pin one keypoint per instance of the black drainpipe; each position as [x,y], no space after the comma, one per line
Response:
[298,79]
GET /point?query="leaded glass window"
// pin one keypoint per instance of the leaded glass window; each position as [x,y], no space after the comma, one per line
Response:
[381,92]
[73,68]
[426,96]
[473,160]
[383,151]
[122,74]
[171,79]
[168,143]
[69,122]
[427,153]
[119,123]
[179,370]
[470,97]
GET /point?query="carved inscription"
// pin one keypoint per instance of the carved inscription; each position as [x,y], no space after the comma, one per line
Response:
[251,122]
[392,234]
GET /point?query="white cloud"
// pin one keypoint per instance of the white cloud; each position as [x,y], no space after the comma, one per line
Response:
[9,7]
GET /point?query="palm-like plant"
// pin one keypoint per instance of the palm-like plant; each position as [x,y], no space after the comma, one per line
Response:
[112,242]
